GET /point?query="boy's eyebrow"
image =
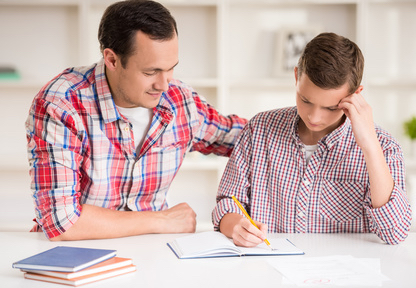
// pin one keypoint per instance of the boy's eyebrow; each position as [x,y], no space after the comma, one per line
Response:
[303,97]
[328,107]
[332,107]
[159,69]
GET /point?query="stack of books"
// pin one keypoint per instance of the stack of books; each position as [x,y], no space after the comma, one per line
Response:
[74,265]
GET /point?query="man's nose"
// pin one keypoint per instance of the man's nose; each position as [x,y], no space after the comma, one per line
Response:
[162,83]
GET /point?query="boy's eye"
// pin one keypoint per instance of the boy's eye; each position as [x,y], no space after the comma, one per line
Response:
[332,109]
[150,73]
[305,101]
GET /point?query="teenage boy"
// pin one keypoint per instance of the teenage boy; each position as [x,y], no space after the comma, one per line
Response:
[320,167]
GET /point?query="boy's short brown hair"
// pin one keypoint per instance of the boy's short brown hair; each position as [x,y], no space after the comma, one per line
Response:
[331,60]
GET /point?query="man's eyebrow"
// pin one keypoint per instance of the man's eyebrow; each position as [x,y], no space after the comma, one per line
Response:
[160,69]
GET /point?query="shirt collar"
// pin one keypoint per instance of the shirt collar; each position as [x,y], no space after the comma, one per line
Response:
[165,107]
[105,99]
[328,140]
[106,103]
[335,136]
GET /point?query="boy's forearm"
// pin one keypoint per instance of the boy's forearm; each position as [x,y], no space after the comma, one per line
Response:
[381,180]
[228,222]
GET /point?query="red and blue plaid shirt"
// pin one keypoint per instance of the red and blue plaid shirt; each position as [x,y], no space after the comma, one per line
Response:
[81,149]
[268,174]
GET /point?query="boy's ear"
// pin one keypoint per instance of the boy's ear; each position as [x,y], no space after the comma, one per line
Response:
[296,74]
[359,89]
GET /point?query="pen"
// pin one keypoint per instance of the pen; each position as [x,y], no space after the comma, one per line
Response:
[249,218]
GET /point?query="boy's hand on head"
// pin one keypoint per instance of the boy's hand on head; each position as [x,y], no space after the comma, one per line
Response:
[361,116]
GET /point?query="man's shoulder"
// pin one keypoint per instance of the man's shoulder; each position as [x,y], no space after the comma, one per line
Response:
[179,90]
[68,82]
[181,97]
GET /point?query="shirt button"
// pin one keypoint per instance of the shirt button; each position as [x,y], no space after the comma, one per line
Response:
[126,129]
[306,182]
[301,214]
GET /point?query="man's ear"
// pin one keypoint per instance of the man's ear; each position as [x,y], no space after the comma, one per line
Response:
[111,59]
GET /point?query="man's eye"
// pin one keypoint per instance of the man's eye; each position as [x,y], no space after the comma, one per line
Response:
[305,101]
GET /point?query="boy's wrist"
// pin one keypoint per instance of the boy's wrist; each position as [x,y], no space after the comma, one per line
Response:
[228,222]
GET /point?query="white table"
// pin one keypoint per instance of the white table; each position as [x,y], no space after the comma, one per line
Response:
[157,266]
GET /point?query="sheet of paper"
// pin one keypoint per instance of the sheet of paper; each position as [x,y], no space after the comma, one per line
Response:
[342,270]
[281,246]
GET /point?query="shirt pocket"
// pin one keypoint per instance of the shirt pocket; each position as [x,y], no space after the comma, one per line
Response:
[166,160]
[342,201]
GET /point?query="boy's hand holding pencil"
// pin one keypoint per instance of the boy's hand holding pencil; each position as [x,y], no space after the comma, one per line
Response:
[243,230]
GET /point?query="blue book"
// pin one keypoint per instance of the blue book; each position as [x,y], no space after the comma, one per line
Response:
[65,259]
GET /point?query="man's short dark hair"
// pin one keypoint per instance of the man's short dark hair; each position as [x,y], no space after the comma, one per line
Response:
[122,20]
[331,60]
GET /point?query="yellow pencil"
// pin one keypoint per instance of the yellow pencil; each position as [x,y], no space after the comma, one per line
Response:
[249,218]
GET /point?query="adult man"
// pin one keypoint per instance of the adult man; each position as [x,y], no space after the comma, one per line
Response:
[320,167]
[105,141]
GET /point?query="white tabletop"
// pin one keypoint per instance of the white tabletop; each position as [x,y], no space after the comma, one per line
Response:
[157,266]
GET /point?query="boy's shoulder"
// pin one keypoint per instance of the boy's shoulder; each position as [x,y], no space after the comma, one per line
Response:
[280,115]
[386,138]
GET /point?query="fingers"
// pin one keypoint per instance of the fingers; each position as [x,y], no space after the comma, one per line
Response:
[360,113]
[183,207]
[180,218]
[247,235]
[354,105]
[263,227]
[355,98]
[349,101]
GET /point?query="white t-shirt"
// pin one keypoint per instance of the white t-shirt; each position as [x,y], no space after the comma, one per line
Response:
[140,118]
[309,149]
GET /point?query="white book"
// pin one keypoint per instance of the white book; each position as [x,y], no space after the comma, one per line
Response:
[216,244]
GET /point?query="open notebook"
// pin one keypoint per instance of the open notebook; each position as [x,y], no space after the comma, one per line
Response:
[216,244]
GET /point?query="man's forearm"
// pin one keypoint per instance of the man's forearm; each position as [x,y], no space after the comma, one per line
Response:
[102,223]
